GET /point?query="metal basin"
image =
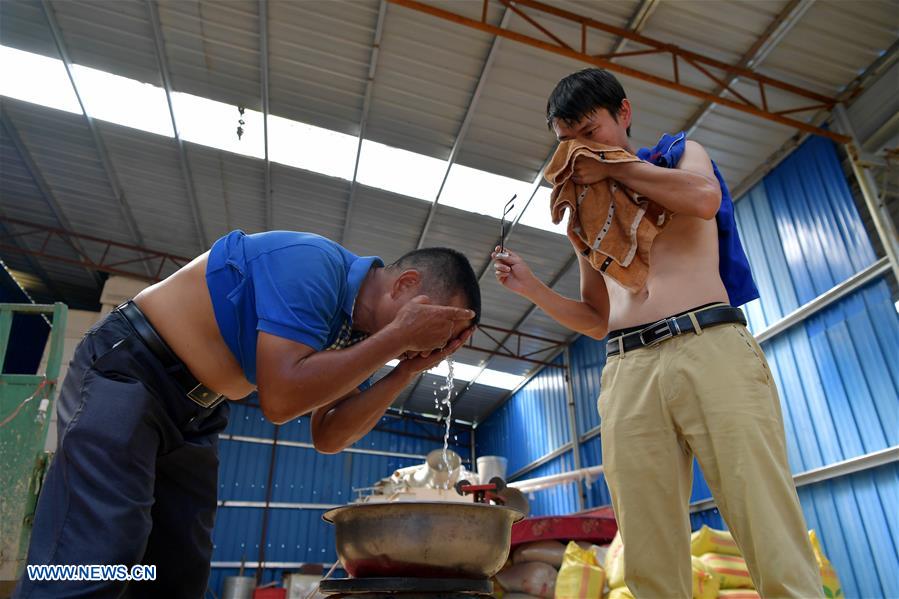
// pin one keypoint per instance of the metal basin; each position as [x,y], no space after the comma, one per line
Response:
[427,539]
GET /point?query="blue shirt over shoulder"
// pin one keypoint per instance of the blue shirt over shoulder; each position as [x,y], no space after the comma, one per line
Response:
[733,265]
[298,286]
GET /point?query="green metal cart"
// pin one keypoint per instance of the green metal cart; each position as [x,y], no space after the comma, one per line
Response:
[26,403]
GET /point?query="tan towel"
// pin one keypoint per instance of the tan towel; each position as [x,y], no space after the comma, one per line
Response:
[611,225]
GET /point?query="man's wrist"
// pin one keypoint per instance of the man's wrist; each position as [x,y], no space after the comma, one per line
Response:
[393,337]
[403,373]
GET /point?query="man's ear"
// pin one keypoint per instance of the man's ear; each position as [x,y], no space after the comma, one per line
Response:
[624,113]
[408,281]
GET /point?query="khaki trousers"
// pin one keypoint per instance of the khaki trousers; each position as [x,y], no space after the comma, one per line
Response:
[710,395]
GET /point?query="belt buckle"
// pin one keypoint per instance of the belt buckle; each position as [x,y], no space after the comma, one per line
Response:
[204,396]
[654,328]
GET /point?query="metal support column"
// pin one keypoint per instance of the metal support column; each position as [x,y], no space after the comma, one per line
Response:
[886,230]
[265,510]
[474,446]
[572,425]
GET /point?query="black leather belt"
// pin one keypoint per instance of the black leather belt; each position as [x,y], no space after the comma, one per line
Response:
[193,389]
[674,326]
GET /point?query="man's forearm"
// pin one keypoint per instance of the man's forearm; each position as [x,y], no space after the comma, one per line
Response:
[575,315]
[353,417]
[680,191]
[325,376]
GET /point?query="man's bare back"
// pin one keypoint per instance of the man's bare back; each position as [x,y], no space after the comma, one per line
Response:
[180,309]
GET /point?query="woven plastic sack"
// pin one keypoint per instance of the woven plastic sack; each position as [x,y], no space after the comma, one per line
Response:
[548,552]
[620,593]
[580,577]
[708,540]
[832,586]
[738,594]
[732,570]
[705,582]
[615,563]
[533,578]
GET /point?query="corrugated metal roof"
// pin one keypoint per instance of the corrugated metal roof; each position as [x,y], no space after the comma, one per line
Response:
[427,72]
[319,54]
[832,43]
[24,26]
[213,49]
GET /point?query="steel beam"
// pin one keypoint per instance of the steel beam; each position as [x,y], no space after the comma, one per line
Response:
[366,106]
[637,22]
[502,350]
[699,62]
[44,234]
[43,188]
[463,129]
[264,71]
[102,154]
[163,63]
[38,270]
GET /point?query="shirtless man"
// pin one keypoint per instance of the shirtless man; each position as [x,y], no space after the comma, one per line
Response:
[683,376]
[135,478]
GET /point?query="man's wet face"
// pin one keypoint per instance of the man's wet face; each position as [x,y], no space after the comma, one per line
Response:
[598,126]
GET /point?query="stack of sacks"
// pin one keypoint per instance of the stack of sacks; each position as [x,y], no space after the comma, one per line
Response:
[705,581]
[718,550]
[832,587]
[581,576]
[533,571]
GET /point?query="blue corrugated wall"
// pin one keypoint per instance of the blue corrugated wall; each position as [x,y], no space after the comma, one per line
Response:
[557,500]
[301,475]
[532,424]
[837,372]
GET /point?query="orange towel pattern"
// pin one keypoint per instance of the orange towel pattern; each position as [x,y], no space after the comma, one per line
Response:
[611,225]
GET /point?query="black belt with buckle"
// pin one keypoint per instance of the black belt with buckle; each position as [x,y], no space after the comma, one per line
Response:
[674,326]
[196,391]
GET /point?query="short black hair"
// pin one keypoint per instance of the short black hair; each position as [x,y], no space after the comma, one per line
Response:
[583,92]
[445,273]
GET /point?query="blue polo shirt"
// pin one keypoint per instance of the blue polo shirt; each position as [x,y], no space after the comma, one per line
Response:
[298,286]
[733,265]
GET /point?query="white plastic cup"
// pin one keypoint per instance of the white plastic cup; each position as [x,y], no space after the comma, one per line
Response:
[490,466]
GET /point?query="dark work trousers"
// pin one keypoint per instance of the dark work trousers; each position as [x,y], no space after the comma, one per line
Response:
[134,478]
